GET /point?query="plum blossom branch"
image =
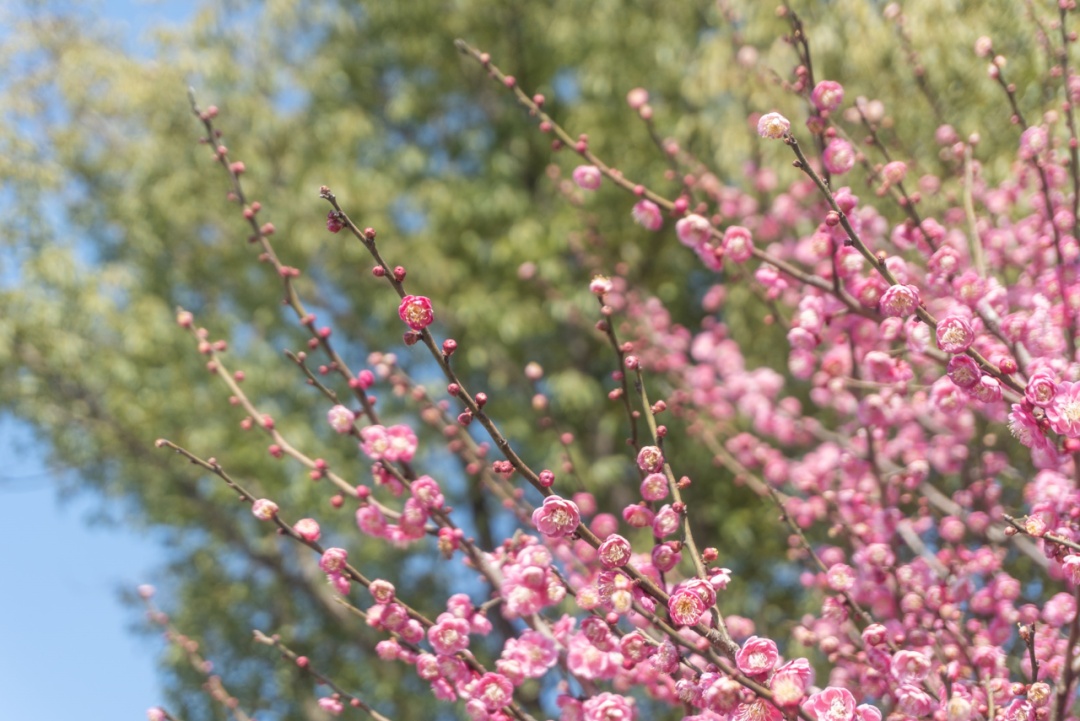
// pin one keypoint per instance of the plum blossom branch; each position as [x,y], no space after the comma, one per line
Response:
[332,703]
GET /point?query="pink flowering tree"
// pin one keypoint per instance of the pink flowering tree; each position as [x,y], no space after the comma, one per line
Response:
[918,446]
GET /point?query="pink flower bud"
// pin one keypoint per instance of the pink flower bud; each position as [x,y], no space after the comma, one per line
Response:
[637,97]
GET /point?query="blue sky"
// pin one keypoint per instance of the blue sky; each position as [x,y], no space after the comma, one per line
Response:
[66,649]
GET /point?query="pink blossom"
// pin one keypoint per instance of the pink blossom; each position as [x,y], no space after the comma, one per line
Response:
[416,312]
[647,214]
[913,701]
[607,706]
[693,230]
[650,459]
[587,177]
[371,521]
[790,682]
[827,95]
[1033,142]
[331,705]
[773,126]
[600,285]
[899,301]
[340,419]
[494,690]
[757,710]
[758,656]
[614,551]
[665,557]
[449,635]
[425,489]
[654,487]
[894,172]
[534,651]
[333,560]
[909,666]
[666,522]
[1071,566]
[638,516]
[840,577]
[1040,390]
[954,334]
[307,529]
[685,607]
[839,156]
[963,371]
[1024,427]
[382,591]
[831,704]
[1064,411]
[738,244]
[637,97]
[557,517]
[264,509]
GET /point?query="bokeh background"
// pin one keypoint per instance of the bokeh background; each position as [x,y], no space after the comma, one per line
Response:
[111,215]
